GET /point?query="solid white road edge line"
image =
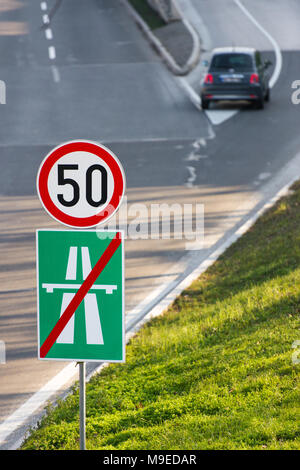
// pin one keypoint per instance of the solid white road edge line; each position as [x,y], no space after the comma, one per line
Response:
[150,307]
[278,55]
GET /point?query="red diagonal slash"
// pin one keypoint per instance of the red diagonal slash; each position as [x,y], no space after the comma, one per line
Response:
[80,294]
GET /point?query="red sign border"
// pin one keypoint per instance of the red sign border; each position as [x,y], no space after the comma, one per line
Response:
[84,146]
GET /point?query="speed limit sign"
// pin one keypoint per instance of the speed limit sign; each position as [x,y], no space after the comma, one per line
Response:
[81,184]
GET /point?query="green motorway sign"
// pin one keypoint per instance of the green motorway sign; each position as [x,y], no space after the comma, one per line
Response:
[80,283]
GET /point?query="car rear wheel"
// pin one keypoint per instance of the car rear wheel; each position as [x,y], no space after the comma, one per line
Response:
[267,97]
[260,104]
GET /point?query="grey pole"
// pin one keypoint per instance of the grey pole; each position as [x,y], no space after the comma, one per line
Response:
[82,404]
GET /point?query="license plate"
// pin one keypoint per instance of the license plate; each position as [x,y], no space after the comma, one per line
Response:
[231,78]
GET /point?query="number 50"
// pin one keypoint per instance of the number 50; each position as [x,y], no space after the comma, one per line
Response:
[62,180]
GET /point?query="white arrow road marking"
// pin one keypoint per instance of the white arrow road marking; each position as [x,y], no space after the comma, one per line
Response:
[218,116]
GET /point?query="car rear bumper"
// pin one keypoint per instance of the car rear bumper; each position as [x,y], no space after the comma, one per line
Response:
[236,94]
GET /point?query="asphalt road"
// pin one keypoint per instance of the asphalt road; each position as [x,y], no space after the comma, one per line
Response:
[95,77]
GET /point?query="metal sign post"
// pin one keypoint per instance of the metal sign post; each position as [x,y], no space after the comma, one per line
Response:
[82,406]
[80,274]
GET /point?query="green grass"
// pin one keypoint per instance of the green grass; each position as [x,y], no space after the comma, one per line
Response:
[215,371]
[150,16]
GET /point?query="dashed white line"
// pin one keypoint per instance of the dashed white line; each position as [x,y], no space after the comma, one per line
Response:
[46,19]
[49,37]
[48,34]
[199,142]
[55,73]
[52,52]
[194,157]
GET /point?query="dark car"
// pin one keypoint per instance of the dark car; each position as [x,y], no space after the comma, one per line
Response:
[236,73]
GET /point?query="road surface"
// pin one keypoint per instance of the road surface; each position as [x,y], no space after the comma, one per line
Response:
[94,76]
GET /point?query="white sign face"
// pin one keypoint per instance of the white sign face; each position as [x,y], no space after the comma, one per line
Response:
[81,184]
[80,187]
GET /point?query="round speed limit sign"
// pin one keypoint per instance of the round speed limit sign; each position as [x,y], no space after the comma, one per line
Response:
[81,184]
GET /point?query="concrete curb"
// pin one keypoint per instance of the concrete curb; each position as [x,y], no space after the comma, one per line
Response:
[160,48]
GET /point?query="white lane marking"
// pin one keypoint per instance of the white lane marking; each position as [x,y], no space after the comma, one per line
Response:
[194,157]
[194,97]
[261,177]
[55,73]
[52,53]
[218,116]
[199,142]
[46,19]
[192,177]
[49,37]
[264,176]
[48,34]
[278,55]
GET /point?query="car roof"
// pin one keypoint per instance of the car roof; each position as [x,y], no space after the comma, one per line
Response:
[232,49]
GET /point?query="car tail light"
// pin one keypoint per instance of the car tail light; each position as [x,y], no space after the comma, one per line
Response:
[254,78]
[208,78]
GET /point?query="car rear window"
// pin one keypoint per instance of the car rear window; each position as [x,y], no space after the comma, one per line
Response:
[236,61]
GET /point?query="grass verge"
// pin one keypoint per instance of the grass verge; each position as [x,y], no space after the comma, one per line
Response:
[216,370]
[151,18]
